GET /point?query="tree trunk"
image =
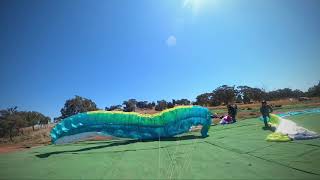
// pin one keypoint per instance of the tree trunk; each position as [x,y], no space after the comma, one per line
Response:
[10,135]
[21,131]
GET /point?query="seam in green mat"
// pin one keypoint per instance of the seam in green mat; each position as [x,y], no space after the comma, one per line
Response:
[45,155]
[305,144]
[275,162]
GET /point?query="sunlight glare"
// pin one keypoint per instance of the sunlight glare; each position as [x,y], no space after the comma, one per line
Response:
[194,5]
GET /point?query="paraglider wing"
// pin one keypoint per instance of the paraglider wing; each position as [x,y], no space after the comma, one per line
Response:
[167,123]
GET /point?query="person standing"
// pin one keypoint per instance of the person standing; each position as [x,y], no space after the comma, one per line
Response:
[265,110]
[232,112]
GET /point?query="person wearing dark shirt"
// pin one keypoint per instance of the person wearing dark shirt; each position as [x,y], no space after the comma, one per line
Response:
[232,111]
[265,110]
[235,107]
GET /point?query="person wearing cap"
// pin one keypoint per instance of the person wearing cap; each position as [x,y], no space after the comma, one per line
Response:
[265,110]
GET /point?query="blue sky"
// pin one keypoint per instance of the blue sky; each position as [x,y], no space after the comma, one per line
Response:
[113,50]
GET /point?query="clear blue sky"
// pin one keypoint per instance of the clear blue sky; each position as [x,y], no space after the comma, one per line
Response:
[113,50]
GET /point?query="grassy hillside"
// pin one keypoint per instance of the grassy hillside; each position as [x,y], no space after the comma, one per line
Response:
[29,138]
[253,110]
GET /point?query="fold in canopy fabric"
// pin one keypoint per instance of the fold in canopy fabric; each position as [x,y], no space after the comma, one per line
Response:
[167,123]
[287,130]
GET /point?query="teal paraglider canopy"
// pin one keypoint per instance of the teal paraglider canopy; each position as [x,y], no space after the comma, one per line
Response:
[133,125]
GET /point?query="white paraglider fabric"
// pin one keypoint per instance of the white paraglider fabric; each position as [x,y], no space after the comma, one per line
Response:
[294,131]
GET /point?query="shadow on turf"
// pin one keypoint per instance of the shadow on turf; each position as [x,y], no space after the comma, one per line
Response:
[273,129]
[117,143]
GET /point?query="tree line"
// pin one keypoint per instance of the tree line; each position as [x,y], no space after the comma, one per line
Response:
[131,105]
[220,96]
[245,94]
[12,121]
[80,104]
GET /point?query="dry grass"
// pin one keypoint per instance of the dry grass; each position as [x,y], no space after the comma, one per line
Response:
[246,111]
[30,138]
[312,102]
[146,111]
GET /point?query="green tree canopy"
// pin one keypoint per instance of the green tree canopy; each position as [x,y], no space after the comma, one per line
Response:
[314,91]
[77,105]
